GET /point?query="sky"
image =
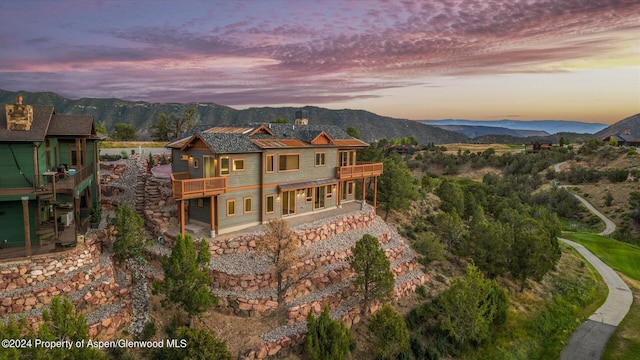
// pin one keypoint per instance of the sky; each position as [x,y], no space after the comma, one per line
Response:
[419,60]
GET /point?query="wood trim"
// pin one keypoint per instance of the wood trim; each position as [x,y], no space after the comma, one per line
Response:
[266,202]
[324,159]
[275,164]
[244,164]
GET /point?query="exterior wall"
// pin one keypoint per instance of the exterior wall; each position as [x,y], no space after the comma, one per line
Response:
[229,223]
[308,170]
[177,164]
[24,157]
[251,174]
[12,224]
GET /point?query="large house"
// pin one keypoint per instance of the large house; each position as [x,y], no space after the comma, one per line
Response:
[229,178]
[625,138]
[48,178]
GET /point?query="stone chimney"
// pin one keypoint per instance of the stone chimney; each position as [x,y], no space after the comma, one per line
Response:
[19,116]
[302,117]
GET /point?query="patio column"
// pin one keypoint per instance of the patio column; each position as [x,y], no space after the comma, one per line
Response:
[212,217]
[27,225]
[375,192]
[182,225]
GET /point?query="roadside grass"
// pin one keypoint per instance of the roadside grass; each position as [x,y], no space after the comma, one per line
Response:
[131,144]
[621,256]
[539,327]
[624,258]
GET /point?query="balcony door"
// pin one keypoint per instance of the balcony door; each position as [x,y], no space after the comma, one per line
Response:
[319,195]
[210,166]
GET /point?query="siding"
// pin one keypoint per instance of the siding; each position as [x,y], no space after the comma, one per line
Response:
[308,171]
[240,218]
[12,224]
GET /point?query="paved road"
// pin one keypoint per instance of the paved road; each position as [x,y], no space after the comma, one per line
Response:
[590,338]
[610,226]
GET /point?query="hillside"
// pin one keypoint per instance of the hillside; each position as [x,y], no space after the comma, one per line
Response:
[142,115]
[632,123]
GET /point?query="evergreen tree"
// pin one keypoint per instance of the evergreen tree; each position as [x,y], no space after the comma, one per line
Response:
[374,279]
[128,230]
[395,186]
[326,338]
[388,333]
[451,196]
[200,345]
[186,277]
[123,132]
[450,228]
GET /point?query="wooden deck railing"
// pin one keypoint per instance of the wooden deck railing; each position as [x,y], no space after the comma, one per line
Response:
[185,188]
[359,170]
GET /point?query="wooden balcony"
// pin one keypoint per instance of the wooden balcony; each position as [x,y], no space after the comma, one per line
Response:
[64,183]
[185,188]
[358,171]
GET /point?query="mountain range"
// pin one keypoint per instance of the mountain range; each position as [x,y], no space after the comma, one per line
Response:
[549,126]
[371,126]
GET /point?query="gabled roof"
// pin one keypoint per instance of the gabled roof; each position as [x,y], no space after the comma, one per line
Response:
[41,118]
[71,125]
[46,122]
[253,138]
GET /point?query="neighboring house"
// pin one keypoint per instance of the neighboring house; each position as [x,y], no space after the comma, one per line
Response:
[231,178]
[48,177]
[537,146]
[625,138]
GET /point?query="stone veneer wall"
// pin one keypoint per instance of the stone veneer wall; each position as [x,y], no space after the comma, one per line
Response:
[28,286]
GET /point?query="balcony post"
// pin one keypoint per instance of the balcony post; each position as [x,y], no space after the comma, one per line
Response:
[182,225]
[375,192]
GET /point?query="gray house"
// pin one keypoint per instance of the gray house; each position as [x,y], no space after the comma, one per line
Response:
[231,178]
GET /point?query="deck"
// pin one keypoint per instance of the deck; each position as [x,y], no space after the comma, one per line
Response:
[185,188]
[358,171]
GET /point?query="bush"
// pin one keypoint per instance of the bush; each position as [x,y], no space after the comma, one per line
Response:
[149,330]
[199,344]
[388,333]
[124,154]
[326,338]
[430,249]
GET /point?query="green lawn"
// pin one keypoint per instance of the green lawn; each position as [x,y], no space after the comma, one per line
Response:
[624,258]
[621,256]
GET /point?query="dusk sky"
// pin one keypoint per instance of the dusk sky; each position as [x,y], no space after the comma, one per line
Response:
[420,60]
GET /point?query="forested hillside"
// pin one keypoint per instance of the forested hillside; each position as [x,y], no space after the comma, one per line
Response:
[142,115]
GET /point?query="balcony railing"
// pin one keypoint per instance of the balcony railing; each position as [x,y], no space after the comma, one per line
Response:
[185,188]
[360,170]
[22,185]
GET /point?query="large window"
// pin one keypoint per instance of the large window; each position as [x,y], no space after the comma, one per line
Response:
[309,193]
[238,164]
[231,207]
[320,159]
[289,162]
[224,165]
[270,204]
[319,198]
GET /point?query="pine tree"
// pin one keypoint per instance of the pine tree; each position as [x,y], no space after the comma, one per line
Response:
[326,338]
[374,279]
[186,278]
[128,230]
[388,333]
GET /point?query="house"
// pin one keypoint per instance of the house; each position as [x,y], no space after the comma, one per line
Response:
[229,178]
[625,138]
[537,146]
[48,177]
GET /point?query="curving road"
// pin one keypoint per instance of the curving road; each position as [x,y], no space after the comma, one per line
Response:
[590,338]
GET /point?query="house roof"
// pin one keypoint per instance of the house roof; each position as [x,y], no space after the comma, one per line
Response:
[41,118]
[72,125]
[46,122]
[255,137]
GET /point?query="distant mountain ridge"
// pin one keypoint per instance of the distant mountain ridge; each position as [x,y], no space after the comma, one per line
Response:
[142,115]
[476,131]
[549,126]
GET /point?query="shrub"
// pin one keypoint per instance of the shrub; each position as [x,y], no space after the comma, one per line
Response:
[388,333]
[326,338]
[124,154]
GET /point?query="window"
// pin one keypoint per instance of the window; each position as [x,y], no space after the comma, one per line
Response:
[238,164]
[248,205]
[224,165]
[231,207]
[184,156]
[319,200]
[200,202]
[320,159]
[270,163]
[289,162]
[196,163]
[270,202]
[309,195]
[329,191]
[351,187]
[73,155]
